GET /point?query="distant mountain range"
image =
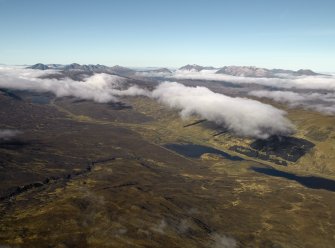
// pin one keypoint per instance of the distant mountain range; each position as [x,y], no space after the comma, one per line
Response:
[88,69]
[251,71]
[119,70]
[242,71]
[160,70]
[196,68]
[39,66]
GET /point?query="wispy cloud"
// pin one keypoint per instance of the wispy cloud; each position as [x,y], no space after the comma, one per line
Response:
[99,87]
[324,103]
[302,82]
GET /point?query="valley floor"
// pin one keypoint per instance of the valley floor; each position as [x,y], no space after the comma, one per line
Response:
[91,175]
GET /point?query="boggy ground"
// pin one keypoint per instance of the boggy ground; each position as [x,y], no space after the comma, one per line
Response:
[137,193]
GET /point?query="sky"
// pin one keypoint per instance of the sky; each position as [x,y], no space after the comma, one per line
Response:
[288,34]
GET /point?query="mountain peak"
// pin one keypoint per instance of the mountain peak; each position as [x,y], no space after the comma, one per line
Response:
[39,66]
[306,72]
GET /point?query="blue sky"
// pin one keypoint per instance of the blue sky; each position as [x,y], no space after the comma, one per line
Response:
[284,34]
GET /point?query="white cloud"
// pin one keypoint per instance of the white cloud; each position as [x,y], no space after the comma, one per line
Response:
[302,82]
[292,87]
[244,117]
[99,87]
[324,103]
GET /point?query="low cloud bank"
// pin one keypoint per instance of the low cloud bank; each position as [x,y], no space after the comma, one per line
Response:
[99,87]
[287,89]
[7,134]
[244,117]
[323,103]
[301,82]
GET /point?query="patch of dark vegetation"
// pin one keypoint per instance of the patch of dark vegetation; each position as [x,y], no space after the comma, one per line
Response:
[79,101]
[41,99]
[195,151]
[125,185]
[122,185]
[120,112]
[256,154]
[288,148]
[58,76]
[202,225]
[206,83]
[219,133]
[146,165]
[13,144]
[10,94]
[36,97]
[76,75]
[231,85]
[103,160]
[52,179]
[307,181]
[119,105]
[195,123]
[29,96]
[22,189]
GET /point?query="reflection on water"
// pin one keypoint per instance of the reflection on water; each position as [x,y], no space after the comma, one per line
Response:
[308,181]
[195,151]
